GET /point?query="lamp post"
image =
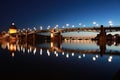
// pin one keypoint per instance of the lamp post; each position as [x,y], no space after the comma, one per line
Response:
[41,28]
[110,23]
[80,24]
[67,25]
[94,23]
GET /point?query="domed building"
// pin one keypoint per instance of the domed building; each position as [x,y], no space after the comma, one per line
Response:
[12,33]
[13,29]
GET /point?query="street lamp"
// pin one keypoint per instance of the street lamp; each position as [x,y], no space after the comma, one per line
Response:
[94,23]
[97,25]
[73,26]
[67,25]
[41,28]
[35,28]
[48,27]
[110,23]
[84,25]
[80,24]
[63,27]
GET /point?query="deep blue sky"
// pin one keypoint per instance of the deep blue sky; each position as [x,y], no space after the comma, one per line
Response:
[30,13]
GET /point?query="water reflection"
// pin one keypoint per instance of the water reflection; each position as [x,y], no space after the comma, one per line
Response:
[117,75]
[68,48]
[78,57]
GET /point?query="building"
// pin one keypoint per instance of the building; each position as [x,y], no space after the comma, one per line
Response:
[12,29]
[12,32]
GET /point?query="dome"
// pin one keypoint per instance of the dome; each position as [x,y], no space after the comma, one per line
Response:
[13,26]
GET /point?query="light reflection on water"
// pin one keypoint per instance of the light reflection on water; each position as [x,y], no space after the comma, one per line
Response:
[84,53]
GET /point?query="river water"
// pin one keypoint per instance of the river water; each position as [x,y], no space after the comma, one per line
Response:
[69,59]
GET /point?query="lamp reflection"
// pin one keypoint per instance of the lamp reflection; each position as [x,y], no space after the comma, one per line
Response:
[40,51]
[48,52]
[67,55]
[12,48]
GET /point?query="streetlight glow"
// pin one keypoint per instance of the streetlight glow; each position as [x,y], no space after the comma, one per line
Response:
[94,22]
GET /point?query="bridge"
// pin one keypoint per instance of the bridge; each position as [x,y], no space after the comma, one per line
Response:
[55,33]
[88,29]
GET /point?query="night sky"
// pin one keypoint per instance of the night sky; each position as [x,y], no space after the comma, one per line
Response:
[36,13]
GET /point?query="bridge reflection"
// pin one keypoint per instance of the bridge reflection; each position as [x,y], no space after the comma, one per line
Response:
[66,48]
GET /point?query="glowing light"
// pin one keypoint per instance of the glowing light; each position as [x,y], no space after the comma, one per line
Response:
[13,23]
[11,31]
[79,56]
[73,26]
[109,22]
[40,51]
[109,60]
[94,59]
[63,27]
[94,22]
[97,25]
[13,54]
[23,50]
[63,53]
[34,28]
[57,25]
[84,25]
[56,54]
[28,50]
[67,25]
[48,27]
[96,56]
[3,46]
[83,55]
[18,48]
[48,52]
[52,35]
[80,24]
[72,54]
[67,55]
[51,44]
[34,51]
[41,28]
[12,47]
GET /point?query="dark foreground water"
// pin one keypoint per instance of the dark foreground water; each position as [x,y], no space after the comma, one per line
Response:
[74,60]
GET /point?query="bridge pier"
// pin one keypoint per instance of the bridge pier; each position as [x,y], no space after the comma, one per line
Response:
[56,36]
[102,38]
